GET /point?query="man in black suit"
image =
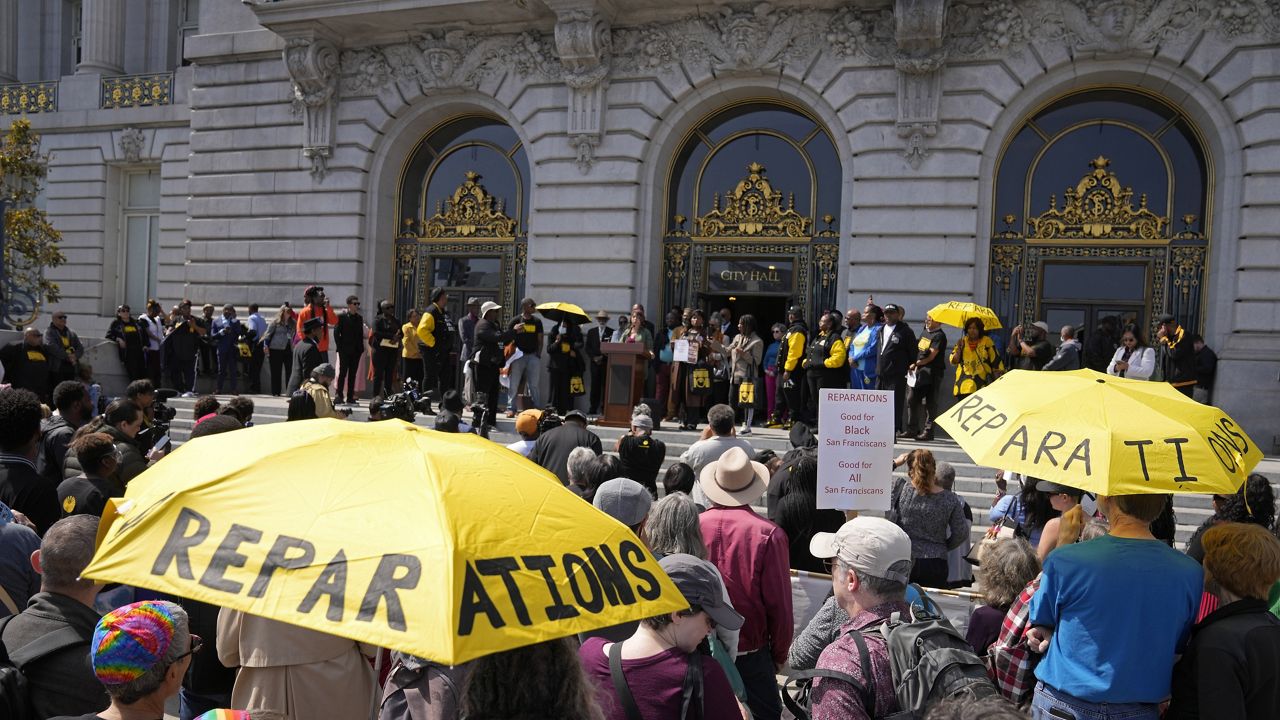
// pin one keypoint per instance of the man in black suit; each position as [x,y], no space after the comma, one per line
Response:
[897,352]
[601,333]
[306,354]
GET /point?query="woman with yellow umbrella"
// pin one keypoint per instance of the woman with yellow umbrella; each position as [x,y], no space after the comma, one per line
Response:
[975,358]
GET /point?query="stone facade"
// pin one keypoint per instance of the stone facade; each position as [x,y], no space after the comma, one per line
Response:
[282,151]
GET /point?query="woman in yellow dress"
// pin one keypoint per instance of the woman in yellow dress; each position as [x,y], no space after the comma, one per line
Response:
[975,358]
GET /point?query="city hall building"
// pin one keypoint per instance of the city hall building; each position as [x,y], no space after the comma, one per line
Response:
[1057,160]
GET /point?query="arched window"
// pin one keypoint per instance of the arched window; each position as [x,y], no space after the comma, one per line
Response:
[752,201]
[1101,209]
[463,207]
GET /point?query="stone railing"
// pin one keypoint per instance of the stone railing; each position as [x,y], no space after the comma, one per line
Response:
[28,98]
[125,91]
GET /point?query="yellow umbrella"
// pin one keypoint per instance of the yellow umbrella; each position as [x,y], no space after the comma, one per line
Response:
[956,314]
[445,546]
[1102,434]
[563,311]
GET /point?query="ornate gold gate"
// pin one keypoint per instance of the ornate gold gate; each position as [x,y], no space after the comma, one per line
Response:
[469,228]
[1098,254]
[753,241]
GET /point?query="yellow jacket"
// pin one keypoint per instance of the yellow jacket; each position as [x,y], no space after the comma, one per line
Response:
[795,350]
[839,352]
[427,328]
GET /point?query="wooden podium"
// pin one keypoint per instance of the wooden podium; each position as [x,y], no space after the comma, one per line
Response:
[625,367]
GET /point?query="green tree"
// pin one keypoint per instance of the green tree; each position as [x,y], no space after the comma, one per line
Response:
[31,242]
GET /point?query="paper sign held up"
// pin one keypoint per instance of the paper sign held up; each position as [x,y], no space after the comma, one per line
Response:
[855,449]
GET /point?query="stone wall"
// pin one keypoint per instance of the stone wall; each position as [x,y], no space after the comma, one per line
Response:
[297,140]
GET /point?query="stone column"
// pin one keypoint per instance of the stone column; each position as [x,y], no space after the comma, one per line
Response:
[8,41]
[101,38]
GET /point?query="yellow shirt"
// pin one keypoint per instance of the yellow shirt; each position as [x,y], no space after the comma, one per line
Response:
[410,348]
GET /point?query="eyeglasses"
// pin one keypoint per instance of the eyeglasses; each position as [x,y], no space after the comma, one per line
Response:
[830,564]
[59,317]
[196,643]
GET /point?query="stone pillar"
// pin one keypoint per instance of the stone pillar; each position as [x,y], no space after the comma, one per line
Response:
[8,41]
[101,38]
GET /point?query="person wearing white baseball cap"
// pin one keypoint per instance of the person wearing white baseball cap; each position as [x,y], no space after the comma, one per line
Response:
[870,561]
[489,339]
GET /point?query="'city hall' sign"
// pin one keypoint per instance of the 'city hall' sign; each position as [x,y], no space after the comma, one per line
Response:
[749,276]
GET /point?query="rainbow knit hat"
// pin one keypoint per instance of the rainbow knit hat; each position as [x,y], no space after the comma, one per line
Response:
[131,640]
[225,715]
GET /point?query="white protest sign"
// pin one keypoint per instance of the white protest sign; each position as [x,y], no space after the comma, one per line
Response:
[681,352]
[855,449]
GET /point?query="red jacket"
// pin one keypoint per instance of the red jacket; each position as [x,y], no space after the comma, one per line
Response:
[753,555]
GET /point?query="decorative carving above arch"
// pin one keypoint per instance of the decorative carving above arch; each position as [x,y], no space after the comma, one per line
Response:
[1098,208]
[753,209]
[470,213]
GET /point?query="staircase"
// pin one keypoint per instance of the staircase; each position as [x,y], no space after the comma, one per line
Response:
[975,484]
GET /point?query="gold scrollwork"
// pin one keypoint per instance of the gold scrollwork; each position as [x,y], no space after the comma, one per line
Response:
[124,91]
[824,256]
[1005,262]
[677,255]
[1098,208]
[1187,267]
[753,209]
[470,213]
[28,98]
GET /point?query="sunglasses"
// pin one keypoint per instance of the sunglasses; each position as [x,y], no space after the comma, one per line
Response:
[59,317]
[196,643]
[830,564]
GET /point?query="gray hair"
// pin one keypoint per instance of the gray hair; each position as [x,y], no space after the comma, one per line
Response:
[878,586]
[65,551]
[673,527]
[1094,529]
[150,681]
[642,409]
[720,418]
[945,474]
[580,459]
[1008,564]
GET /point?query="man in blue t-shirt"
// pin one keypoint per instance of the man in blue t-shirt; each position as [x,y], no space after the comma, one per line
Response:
[1112,614]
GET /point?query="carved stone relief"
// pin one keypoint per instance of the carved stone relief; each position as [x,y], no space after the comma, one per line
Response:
[449,59]
[130,143]
[584,42]
[312,64]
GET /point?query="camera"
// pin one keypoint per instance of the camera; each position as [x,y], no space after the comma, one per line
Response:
[406,404]
[162,417]
[480,420]
[550,421]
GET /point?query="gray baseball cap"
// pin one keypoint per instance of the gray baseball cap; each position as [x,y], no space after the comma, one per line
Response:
[699,583]
[324,370]
[624,500]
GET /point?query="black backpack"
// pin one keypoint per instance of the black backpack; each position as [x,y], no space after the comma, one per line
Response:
[929,659]
[301,405]
[691,700]
[15,697]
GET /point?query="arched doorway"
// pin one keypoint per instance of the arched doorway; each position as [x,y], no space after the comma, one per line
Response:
[752,208]
[462,201]
[1102,205]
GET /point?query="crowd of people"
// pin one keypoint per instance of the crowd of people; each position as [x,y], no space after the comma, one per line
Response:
[1087,610]
[1053,632]
[771,381]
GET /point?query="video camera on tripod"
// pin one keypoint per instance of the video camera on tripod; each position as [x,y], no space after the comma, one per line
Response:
[162,419]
